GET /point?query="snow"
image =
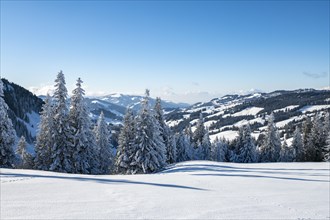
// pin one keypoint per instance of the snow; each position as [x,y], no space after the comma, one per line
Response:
[209,123]
[248,111]
[288,108]
[281,124]
[189,190]
[229,135]
[174,123]
[252,121]
[311,108]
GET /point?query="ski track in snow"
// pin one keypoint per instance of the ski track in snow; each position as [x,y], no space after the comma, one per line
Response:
[189,190]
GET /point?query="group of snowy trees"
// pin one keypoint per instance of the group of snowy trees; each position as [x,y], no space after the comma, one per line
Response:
[311,145]
[66,141]
[7,134]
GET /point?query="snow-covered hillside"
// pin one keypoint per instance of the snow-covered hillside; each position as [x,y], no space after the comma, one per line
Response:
[190,190]
[223,116]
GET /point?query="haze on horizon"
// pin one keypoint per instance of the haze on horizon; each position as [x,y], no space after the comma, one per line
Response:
[182,51]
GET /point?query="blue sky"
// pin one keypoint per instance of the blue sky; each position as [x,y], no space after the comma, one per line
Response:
[182,50]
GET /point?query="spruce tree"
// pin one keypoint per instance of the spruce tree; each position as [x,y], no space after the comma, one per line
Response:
[326,156]
[83,141]
[298,146]
[26,159]
[271,148]
[7,134]
[165,133]
[247,151]
[61,149]
[200,131]
[184,150]
[127,146]
[206,147]
[287,153]
[316,141]
[219,150]
[44,141]
[104,147]
[151,153]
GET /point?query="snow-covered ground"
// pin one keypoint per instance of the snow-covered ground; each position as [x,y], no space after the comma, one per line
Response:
[190,190]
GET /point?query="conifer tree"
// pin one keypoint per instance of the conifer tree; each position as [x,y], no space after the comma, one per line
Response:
[219,150]
[271,148]
[206,147]
[327,149]
[287,153]
[151,153]
[200,131]
[247,151]
[44,141]
[7,134]
[165,133]
[184,150]
[104,147]
[127,146]
[298,146]
[26,159]
[61,149]
[306,130]
[316,141]
[83,141]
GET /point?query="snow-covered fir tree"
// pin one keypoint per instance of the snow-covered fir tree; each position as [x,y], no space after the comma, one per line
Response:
[84,153]
[316,141]
[247,151]
[151,153]
[61,149]
[200,130]
[287,153]
[306,130]
[206,147]
[298,145]
[327,149]
[7,134]
[104,147]
[219,150]
[326,123]
[271,148]
[44,141]
[198,151]
[184,150]
[127,147]
[26,159]
[165,133]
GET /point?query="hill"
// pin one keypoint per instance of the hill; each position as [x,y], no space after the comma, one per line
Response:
[189,190]
[223,116]
[24,108]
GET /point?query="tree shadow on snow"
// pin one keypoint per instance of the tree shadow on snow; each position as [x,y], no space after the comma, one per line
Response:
[99,180]
[222,170]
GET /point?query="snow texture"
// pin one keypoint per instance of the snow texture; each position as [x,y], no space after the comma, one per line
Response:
[188,190]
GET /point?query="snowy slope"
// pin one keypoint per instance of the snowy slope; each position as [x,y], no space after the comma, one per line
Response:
[223,116]
[190,190]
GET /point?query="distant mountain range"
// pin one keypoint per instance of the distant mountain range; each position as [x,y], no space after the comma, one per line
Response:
[222,116]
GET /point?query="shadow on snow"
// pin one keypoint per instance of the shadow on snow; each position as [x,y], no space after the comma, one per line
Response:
[99,180]
[222,170]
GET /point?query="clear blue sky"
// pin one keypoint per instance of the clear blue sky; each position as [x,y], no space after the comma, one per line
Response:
[182,50]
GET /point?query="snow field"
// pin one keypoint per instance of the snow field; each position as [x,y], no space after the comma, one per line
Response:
[189,190]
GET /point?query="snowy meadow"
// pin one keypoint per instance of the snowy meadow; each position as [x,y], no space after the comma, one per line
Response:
[188,190]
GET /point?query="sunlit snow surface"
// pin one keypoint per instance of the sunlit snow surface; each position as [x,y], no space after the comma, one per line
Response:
[190,190]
